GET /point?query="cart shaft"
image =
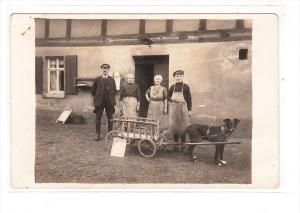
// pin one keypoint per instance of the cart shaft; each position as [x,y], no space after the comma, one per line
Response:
[201,143]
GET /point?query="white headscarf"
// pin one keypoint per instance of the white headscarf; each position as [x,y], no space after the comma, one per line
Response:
[158,77]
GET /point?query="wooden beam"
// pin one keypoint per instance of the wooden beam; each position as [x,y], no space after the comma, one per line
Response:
[157,38]
[142,26]
[202,143]
[157,41]
[202,25]
[153,35]
[169,26]
[68,29]
[239,24]
[104,28]
[47,28]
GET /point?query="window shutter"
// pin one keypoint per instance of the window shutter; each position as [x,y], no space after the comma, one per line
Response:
[70,74]
[38,75]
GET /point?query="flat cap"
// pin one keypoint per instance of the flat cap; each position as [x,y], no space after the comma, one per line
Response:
[104,66]
[178,72]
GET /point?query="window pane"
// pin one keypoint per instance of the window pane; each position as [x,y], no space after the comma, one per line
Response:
[52,63]
[61,81]
[53,78]
[61,63]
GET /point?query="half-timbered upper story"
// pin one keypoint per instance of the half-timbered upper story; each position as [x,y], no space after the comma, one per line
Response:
[72,32]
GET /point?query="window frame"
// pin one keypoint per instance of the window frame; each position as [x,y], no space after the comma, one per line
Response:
[55,93]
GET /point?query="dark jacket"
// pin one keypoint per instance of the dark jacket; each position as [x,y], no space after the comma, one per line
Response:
[186,93]
[132,90]
[98,90]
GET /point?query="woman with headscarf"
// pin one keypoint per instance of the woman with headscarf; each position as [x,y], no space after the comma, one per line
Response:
[157,98]
[180,99]
[130,97]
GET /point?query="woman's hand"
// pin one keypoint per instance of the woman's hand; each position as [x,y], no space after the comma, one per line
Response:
[165,110]
[138,107]
[121,108]
[190,117]
[147,97]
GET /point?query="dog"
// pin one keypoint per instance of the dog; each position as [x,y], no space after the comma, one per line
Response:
[212,134]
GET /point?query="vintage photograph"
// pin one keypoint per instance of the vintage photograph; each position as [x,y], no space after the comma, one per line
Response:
[153,101]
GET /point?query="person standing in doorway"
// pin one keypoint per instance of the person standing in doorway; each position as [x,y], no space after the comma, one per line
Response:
[157,97]
[130,97]
[104,92]
[180,99]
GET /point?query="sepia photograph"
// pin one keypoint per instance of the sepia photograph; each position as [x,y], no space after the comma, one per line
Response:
[154,101]
[119,105]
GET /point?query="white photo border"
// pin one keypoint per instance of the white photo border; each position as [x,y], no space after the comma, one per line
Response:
[254,200]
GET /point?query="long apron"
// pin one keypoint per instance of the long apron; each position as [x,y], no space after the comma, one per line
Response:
[129,106]
[156,107]
[178,113]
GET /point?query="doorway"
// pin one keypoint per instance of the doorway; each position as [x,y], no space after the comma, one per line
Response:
[146,67]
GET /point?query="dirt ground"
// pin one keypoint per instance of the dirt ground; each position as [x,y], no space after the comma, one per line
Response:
[68,154]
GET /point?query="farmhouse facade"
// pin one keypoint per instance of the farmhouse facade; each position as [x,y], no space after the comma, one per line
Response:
[215,55]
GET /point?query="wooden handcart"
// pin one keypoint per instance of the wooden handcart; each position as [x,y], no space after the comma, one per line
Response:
[146,133]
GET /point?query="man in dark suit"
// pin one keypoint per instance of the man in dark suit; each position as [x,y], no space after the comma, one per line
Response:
[104,92]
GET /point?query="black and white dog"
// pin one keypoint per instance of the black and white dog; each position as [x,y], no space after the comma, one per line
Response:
[213,134]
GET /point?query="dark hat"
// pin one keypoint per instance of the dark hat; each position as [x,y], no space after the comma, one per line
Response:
[104,66]
[178,72]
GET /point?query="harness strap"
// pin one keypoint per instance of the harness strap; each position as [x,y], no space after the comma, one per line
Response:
[223,131]
[211,136]
[207,132]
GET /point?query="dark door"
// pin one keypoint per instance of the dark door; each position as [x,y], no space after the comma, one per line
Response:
[146,67]
[144,74]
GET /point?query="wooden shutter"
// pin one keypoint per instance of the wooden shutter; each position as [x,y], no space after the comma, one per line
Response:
[38,75]
[70,74]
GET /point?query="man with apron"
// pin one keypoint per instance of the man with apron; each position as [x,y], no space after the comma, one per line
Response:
[180,106]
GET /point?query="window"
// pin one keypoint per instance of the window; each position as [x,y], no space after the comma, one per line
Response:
[243,54]
[56,76]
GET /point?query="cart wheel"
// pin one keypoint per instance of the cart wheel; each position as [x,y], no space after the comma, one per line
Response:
[109,138]
[111,135]
[147,148]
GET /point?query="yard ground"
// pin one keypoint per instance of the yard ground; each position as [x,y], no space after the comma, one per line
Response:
[68,154]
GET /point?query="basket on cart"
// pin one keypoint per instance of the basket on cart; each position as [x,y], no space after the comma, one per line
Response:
[144,131]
